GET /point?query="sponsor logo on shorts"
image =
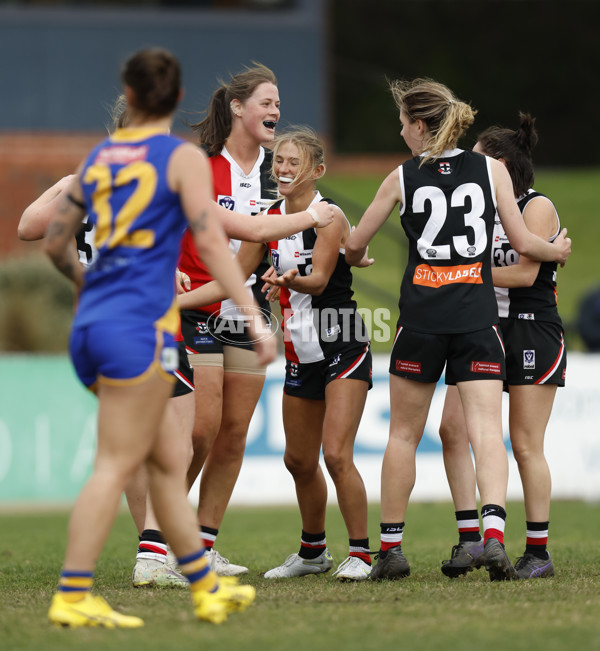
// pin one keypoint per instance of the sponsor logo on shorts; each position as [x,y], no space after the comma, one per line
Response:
[408,367]
[293,383]
[529,359]
[486,367]
[203,341]
[527,316]
[429,276]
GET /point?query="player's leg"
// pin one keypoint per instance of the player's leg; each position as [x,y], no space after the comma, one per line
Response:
[409,406]
[345,400]
[213,601]
[530,408]
[208,380]
[482,404]
[155,563]
[127,423]
[303,422]
[241,392]
[467,554]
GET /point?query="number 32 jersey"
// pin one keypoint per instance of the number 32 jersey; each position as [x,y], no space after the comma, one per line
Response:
[138,224]
[447,212]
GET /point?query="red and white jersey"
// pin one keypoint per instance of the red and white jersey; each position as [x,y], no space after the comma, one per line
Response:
[315,327]
[234,190]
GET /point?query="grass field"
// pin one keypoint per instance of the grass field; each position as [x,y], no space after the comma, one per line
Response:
[424,612]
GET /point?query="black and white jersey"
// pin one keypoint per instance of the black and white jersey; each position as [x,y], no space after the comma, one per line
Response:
[85,242]
[447,212]
[315,327]
[535,303]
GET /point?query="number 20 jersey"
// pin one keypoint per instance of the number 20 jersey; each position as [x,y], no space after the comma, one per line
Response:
[138,224]
[447,212]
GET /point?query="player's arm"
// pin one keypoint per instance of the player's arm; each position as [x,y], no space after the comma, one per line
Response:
[36,217]
[324,260]
[541,219]
[63,226]
[189,174]
[388,195]
[521,239]
[266,227]
[249,256]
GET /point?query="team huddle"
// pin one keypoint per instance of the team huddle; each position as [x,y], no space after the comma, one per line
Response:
[191,245]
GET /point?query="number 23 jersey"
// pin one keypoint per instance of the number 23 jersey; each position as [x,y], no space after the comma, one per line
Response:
[447,212]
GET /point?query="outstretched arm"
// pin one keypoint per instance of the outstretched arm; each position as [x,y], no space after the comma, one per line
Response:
[387,197]
[249,256]
[264,227]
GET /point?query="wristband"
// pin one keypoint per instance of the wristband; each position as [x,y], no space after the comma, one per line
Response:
[314,214]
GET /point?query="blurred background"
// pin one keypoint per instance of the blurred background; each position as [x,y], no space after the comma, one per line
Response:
[333,60]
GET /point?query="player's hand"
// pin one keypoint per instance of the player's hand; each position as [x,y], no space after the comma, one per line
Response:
[285,280]
[326,213]
[271,292]
[182,282]
[563,247]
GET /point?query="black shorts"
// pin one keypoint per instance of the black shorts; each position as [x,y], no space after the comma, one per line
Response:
[477,355]
[208,334]
[535,352]
[184,373]
[310,380]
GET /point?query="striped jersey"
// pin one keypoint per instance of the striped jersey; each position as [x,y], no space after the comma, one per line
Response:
[245,193]
[537,302]
[315,327]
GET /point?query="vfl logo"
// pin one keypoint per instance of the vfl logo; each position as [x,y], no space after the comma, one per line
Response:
[336,360]
[471,250]
[431,253]
[445,168]
[245,185]
[529,359]
[275,259]
[226,202]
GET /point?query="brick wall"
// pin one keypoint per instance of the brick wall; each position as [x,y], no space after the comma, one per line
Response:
[29,164]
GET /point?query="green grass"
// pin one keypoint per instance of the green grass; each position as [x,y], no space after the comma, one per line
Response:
[424,612]
[574,193]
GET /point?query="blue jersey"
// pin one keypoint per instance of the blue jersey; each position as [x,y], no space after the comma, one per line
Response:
[138,223]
